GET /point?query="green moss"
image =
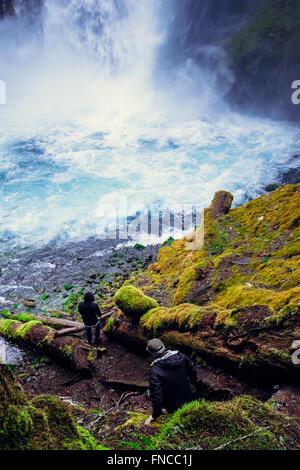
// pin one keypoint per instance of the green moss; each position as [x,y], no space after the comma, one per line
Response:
[72,301]
[283,275]
[185,317]
[5,327]
[133,302]
[136,420]
[253,282]
[209,425]
[55,315]
[243,296]
[109,325]
[25,317]
[68,287]
[23,329]
[286,312]
[272,33]
[45,423]
[185,285]
[85,441]
[67,349]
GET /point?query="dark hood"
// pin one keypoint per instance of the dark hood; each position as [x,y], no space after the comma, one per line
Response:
[172,362]
[89,297]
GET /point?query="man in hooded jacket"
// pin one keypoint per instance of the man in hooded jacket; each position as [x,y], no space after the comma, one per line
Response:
[171,375]
[91,314]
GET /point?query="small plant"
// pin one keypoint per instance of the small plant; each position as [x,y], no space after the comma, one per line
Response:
[138,246]
[145,442]
[169,241]
[68,287]
[55,315]
[109,325]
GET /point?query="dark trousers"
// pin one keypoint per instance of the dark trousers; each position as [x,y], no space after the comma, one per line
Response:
[88,332]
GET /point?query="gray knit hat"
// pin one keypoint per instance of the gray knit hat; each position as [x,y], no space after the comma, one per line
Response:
[155,347]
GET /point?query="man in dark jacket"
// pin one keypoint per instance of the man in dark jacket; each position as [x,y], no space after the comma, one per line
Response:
[91,314]
[171,376]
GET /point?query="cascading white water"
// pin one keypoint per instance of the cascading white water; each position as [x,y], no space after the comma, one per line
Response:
[93,113]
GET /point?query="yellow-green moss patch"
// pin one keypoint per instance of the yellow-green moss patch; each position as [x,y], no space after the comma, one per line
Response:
[133,302]
[241,424]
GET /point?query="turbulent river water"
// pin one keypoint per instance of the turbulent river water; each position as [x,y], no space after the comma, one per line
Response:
[97,117]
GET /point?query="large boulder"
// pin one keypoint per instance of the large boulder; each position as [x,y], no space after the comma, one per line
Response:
[221,204]
[133,302]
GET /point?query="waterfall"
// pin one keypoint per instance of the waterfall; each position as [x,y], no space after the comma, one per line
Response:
[110,99]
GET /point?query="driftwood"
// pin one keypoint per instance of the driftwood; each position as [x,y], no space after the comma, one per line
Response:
[69,331]
[60,312]
[77,329]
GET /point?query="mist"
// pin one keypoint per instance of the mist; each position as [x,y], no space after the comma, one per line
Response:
[112,99]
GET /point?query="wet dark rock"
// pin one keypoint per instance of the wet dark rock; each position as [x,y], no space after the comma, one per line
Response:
[28,303]
[241,261]
[292,176]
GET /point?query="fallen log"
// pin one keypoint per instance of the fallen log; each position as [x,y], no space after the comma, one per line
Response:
[77,329]
[59,312]
[69,331]
[50,321]
[126,385]
[73,352]
[259,357]
[106,315]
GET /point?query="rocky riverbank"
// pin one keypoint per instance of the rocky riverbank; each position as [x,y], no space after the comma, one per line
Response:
[55,276]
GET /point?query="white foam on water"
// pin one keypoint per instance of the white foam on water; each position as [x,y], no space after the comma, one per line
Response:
[92,125]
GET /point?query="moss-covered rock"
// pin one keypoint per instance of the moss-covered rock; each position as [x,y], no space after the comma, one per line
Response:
[242,424]
[45,423]
[133,302]
[220,205]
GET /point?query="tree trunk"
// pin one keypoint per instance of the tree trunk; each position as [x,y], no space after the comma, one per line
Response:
[74,352]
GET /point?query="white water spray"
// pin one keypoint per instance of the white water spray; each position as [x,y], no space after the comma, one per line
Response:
[94,113]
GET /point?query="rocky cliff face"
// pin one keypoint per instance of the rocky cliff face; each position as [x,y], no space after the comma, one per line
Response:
[30,9]
[262,43]
[264,56]
[6,8]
